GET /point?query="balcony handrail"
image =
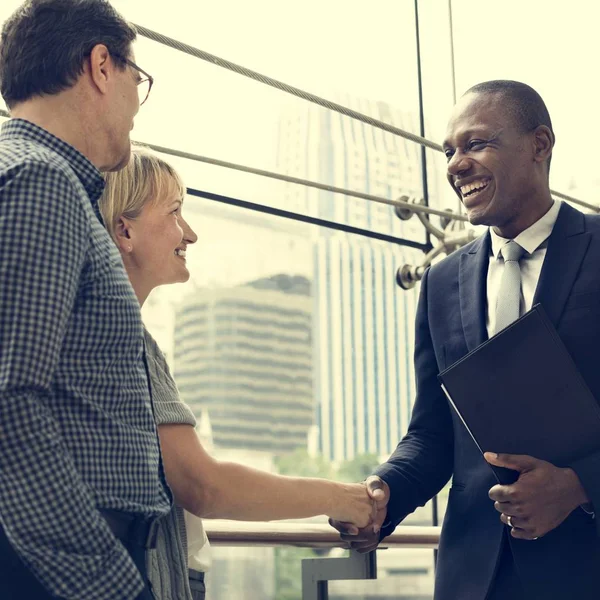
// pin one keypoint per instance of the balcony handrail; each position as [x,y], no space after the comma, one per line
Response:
[223,532]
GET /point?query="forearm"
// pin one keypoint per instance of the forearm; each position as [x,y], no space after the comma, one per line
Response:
[239,492]
[423,461]
[416,471]
[213,489]
[47,512]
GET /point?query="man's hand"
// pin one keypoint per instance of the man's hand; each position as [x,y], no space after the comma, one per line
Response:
[367,538]
[540,500]
[355,505]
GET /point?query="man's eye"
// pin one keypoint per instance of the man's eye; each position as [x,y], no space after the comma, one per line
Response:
[474,144]
[449,154]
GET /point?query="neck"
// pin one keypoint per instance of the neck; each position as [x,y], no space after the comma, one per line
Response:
[525,219]
[140,286]
[142,295]
[65,116]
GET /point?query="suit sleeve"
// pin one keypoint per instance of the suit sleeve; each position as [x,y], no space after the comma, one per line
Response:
[423,460]
[588,471]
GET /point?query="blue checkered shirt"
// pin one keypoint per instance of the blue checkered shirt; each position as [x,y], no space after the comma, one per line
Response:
[77,431]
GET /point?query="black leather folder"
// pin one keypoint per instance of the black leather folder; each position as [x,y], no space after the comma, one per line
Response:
[521,393]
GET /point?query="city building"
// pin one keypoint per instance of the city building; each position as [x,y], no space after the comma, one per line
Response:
[363,322]
[327,147]
[244,355]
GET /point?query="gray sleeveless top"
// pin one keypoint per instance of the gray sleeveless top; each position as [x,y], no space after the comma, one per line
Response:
[168,563]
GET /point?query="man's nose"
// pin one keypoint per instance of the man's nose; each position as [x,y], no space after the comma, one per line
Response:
[458,164]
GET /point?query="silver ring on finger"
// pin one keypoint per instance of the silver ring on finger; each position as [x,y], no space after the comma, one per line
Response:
[509,521]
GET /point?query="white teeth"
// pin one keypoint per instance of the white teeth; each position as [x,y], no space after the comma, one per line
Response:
[476,185]
[180,252]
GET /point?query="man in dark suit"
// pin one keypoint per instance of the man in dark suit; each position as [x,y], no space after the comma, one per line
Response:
[538,537]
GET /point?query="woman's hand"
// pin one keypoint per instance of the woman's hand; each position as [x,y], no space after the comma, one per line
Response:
[353,505]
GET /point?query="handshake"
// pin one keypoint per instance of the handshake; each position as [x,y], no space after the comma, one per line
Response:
[360,513]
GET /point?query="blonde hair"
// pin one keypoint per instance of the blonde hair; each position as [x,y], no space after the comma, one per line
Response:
[146,178]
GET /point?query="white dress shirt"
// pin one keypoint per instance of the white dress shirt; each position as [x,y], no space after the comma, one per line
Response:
[531,263]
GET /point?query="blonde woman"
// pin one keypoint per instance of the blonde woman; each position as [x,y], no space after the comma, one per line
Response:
[142,207]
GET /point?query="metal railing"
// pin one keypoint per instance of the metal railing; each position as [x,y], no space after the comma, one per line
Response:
[317,572]
[308,535]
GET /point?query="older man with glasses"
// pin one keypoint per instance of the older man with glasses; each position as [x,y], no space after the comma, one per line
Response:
[144,83]
[81,477]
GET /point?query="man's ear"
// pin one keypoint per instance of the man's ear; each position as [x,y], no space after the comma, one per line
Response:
[543,140]
[101,67]
[123,231]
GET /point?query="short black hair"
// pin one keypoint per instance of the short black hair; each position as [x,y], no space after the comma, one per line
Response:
[44,44]
[523,103]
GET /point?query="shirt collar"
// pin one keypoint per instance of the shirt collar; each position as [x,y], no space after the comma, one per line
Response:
[88,174]
[534,236]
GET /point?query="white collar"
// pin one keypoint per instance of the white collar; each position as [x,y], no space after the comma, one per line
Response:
[533,237]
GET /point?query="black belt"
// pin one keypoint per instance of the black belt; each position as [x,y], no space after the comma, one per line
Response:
[133,529]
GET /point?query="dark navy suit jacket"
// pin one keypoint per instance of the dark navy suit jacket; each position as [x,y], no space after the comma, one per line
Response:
[451,321]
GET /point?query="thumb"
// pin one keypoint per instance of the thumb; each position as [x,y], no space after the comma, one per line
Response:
[516,462]
[378,490]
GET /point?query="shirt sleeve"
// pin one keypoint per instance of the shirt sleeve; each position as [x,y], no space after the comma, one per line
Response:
[46,510]
[167,403]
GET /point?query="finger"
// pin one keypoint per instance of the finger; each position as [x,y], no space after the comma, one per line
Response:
[376,488]
[379,520]
[508,508]
[520,525]
[511,521]
[501,493]
[523,534]
[367,549]
[516,462]
[366,545]
[374,512]
[344,528]
[364,535]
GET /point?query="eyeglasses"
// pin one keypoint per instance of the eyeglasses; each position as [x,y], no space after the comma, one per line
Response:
[144,84]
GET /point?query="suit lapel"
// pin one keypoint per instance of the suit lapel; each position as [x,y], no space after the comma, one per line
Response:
[567,246]
[472,289]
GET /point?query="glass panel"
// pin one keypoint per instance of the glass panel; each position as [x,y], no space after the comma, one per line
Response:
[329,49]
[401,575]
[248,573]
[295,314]
[291,343]
[198,107]
[570,94]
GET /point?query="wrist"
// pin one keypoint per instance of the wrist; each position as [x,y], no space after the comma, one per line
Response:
[335,497]
[578,493]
